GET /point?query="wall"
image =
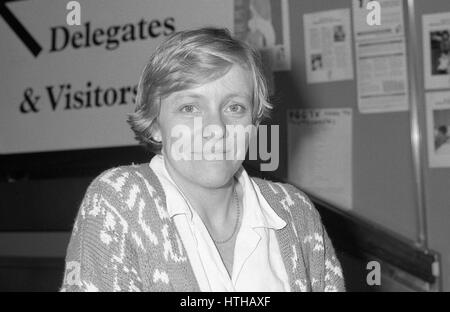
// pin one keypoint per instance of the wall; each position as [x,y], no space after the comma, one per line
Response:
[383,181]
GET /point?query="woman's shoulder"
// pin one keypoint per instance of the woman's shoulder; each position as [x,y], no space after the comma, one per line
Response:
[290,201]
[284,193]
[124,188]
[120,192]
[122,179]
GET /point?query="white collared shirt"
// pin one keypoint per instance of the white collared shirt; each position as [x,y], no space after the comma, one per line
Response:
[257,264]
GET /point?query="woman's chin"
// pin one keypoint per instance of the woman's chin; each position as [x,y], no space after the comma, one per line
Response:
[214,173]
[207,173]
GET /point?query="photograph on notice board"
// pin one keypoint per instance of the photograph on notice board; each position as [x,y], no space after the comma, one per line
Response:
[440,52]
[438,128]
[316,62]
[436,40]
[328,46]
[264,24]
[441,132]
[339,33]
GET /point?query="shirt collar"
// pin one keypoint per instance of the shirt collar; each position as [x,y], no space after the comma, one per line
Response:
[175,201]
[257,211]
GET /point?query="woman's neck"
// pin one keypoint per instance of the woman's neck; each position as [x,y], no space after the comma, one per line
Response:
[213,205]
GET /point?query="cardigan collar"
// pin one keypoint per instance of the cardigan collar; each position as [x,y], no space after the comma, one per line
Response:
[290,247]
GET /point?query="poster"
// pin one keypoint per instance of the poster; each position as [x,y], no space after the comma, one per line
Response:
[264,24]
[66,87]
[391,20]
[328,45]
[382,81]
[436,50]
[438,128]
[320,153]
[381,64]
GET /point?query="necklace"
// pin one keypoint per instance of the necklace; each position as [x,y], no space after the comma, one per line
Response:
[237,220]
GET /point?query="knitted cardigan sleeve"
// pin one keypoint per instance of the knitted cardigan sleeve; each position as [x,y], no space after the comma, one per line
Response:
[330,270]
[99,256]
[325,269]
[333,279]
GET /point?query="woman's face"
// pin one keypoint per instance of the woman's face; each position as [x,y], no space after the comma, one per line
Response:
[194,121]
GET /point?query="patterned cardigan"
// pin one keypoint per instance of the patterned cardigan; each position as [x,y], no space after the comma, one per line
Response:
[124,240]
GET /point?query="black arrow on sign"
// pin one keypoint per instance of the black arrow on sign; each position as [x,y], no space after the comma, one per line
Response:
[18,28]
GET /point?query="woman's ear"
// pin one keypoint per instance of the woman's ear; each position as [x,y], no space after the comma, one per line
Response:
[156,136]
[156,132]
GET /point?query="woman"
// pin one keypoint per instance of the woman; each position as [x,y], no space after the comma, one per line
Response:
[192,219]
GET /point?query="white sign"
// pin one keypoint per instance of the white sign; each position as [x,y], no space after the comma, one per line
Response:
[70,87]
[328,45]
[320,153]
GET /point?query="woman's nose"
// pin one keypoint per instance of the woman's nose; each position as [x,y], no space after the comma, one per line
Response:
[214,126]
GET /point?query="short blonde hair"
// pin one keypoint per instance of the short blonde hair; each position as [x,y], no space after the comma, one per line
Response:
[188,59]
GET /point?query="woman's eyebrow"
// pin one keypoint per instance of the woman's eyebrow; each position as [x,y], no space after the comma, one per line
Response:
[244,95]
[194,95]
[189,95]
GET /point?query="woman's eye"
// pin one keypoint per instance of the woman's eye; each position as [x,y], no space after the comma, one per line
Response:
[188,109]
[236,108]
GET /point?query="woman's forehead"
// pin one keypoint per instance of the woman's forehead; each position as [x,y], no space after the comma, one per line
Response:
[236,82]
